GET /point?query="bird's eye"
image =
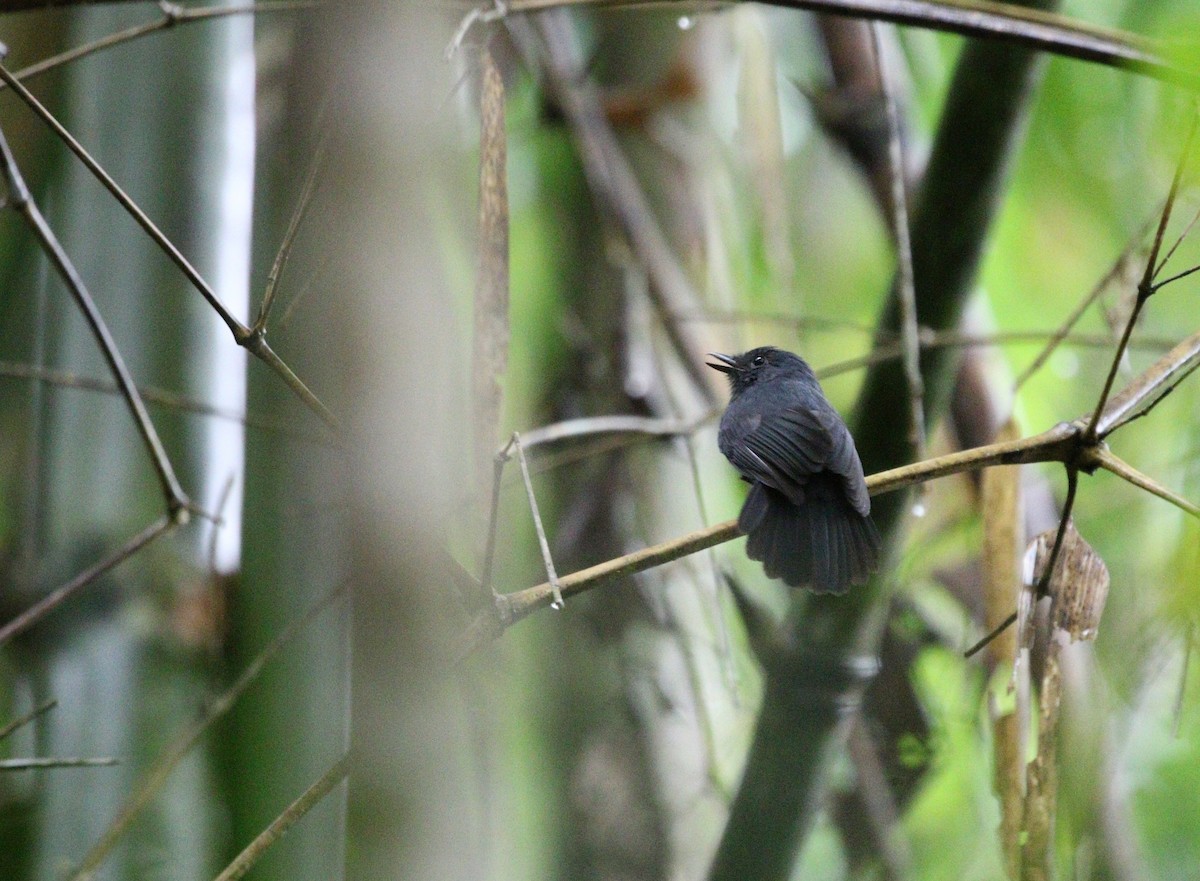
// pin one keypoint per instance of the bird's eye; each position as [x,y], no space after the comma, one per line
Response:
[758,361]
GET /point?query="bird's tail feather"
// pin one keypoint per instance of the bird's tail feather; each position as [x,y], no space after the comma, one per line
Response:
[823,544]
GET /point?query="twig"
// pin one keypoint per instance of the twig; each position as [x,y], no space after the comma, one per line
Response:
[1158,285]
[53,600]
[154,396]
[1072,319]
[1151,386]
[1110,462]
[905,285]
[617,188]
[171,755]
[945,339]
[308,189]
[22,721]
[487,592]
[1178,241]
[253,342]
[992,634]
[1043,584]
[551,575]
[590,426]
[214,534]
[477,15]
[171,17]
[245,860]
[18,192]
[1032,28]
[31,764]
[1145,287]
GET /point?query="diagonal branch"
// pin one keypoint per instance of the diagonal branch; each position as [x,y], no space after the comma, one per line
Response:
[1031,28]
[172,15]
[53,600]
[294,812]
[1145,288]
[22,721]
[181,745]
[18,192]
[250,339]
[1059,444]
[1118,466]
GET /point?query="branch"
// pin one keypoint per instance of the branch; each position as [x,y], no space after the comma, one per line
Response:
[172,15]
[254,341]
[22,721]
[1151,386]
[294,812]
[1031,28]
[1145,289]
[1059,444]
[176,500]
[1065,442]
[31,764]
[1121,468]
[179,747]
[52,601]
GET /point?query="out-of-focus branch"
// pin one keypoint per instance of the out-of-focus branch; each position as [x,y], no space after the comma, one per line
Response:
[1065,442]
[613,182]
[1028,27]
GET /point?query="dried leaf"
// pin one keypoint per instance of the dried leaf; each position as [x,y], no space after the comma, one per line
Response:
[1078,587]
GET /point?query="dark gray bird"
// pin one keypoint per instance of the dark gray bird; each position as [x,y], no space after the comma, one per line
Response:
[808,514]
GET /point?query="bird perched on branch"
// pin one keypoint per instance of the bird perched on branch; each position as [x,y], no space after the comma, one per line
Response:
[808,514]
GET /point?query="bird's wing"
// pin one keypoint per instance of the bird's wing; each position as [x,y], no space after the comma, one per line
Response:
[785,450]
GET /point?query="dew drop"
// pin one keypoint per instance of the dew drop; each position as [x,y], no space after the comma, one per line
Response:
[686,22]
[918,509]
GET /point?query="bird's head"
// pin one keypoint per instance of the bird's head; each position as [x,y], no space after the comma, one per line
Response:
[757,365]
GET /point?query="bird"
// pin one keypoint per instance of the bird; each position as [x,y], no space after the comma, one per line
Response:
[808,512]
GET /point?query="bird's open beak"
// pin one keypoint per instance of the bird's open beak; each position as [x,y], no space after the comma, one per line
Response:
[728,363]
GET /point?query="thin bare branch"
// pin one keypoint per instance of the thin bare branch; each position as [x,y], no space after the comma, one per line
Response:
[955,338]
[556,601]
[1043,584]
[154,396]
[56,598]
[1118,466]
[18,193]
[33,764]
[906,294]
[1183,234]
[1033,28]
[175,751]
[245,860]
[590,426]
[307,191]
[252,341]
[1145,287]
[22,721]
[1064,330]
[1150,386]
[1159,285]
[991,635]
[172,15]
[1057,444]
